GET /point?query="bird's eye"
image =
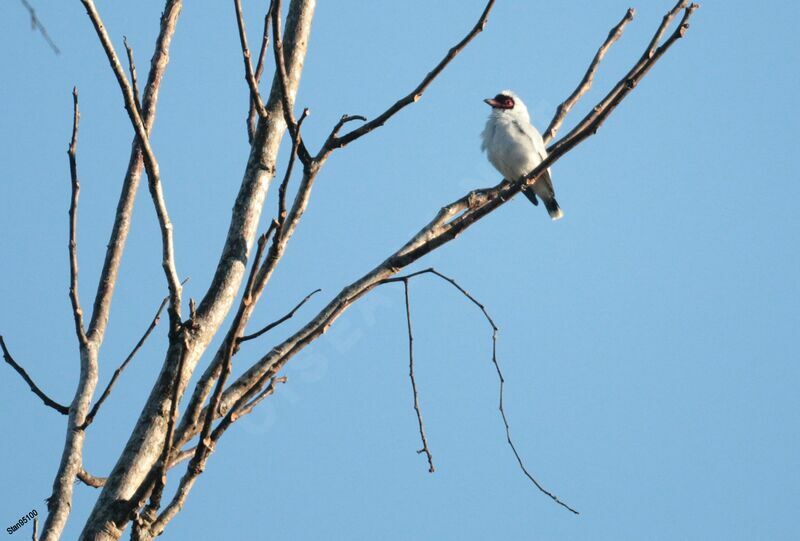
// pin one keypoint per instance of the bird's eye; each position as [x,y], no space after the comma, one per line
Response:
[506,102]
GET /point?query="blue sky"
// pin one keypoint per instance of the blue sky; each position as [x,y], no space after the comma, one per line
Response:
[648,338]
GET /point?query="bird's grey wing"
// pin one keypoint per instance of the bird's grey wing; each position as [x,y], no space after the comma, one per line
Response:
[533,136]
[536,140]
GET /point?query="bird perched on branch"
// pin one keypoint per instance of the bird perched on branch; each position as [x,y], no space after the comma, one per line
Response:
[514,147]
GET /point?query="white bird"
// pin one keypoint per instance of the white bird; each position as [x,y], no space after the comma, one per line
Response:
[514,147]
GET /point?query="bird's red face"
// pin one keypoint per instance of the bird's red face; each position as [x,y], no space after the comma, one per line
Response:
[501,101]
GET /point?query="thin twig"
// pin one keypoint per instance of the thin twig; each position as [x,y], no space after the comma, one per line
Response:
[35,534]
[36,24]
[63,410]
[277,322]
[77,311]
[337,127]
[415,94]
[118,371]
[285,183]
[255,96]
[586,83]
[134,80]
[425,448]
[248,408]
[494,327]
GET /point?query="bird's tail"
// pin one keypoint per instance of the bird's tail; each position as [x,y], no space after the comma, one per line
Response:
[528,192]
[553,209]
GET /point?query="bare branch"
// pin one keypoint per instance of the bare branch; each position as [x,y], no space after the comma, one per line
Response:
[35,534]
[277,322]
[118,371]
[494,327]
[36,24]
[425,448]
[255,96]
[415,94]
[77,312]
[63,410]
[134,81]
[665,23]
[588,78]
[90,480]
[151,166]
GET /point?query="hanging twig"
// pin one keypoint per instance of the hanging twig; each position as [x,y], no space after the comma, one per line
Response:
[425,448]
[494,327]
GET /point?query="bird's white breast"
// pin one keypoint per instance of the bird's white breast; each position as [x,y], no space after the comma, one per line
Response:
[508,147]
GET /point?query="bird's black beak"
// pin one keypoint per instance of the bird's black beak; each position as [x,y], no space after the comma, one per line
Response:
[492,102]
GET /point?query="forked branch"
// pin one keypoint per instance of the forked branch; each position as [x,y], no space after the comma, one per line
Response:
[151,166]
[495,329]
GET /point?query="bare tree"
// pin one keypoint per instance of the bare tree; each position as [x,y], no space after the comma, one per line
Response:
[133,492]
